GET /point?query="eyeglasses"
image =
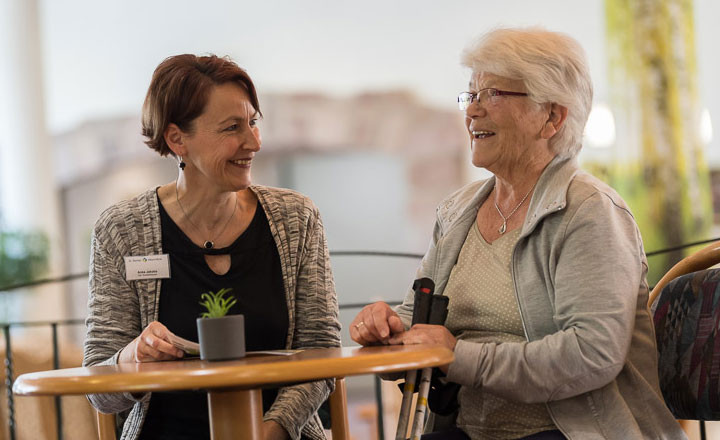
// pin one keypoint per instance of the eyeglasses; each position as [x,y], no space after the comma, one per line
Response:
[483,95]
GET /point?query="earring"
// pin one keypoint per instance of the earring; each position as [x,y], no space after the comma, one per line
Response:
[181,164]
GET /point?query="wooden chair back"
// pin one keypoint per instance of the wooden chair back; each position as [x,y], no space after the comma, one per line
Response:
[702,259]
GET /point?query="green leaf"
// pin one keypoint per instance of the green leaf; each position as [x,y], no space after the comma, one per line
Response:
[216,304]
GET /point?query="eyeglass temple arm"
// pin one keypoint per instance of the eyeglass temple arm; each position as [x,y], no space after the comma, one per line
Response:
[503,92]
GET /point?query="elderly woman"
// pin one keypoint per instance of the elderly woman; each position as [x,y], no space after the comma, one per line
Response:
[217,231]
[543,265]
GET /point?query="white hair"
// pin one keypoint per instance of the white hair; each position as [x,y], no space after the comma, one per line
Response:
[553,68]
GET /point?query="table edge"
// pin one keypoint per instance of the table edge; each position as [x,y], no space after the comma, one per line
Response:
[33,384]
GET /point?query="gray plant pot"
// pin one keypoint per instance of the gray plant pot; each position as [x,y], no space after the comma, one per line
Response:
[221,338]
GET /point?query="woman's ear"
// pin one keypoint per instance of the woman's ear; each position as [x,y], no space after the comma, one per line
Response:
[555,120]
[174,138]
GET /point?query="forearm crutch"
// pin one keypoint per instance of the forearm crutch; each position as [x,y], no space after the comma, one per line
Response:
[438,313]
[427,309]
[424,288]
[421,404]
[404,418]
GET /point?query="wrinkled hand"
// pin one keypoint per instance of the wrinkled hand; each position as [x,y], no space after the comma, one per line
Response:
[152,345]
[375,324]
[273,431]
[427,334]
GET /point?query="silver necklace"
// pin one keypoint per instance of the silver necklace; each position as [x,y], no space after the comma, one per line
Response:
[503,228]
[209,244]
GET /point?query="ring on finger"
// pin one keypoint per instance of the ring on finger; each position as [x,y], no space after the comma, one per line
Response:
[359,324]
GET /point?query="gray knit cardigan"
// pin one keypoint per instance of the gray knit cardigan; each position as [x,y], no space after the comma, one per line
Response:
[120,309]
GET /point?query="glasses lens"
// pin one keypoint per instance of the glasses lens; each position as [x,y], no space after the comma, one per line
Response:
[464,100]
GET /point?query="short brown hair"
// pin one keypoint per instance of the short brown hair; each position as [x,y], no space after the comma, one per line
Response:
[179,91]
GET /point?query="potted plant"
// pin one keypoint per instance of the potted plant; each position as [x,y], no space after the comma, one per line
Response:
[220,337]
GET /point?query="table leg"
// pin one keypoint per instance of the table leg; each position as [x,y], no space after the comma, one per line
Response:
[235,414]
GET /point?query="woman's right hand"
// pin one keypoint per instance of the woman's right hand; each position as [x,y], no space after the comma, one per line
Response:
[375,323]
[152,345]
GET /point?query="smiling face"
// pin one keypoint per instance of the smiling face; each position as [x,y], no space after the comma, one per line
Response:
[223,140]
[505,131]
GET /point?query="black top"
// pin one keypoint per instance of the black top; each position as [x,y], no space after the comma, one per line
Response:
[255,277]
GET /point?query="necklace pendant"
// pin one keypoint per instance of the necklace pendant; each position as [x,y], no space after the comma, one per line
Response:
[503,228]
[209,244]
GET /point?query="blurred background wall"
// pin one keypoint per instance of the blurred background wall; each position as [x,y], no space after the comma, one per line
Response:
[360,113]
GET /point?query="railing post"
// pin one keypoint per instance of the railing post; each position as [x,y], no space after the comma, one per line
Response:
[379,402]
[56,366]
[9,382]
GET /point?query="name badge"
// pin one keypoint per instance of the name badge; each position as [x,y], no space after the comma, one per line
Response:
[147,267]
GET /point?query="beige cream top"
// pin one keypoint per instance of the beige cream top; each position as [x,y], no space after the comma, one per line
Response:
[483,308]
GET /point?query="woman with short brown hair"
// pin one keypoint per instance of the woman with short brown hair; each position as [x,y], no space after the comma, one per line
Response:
[216,230]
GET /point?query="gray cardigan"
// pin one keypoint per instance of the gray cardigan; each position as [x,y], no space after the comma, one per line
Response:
[120,309]
[579,274]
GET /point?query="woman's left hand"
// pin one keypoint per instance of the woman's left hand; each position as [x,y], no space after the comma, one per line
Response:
[426,334]
[273,431]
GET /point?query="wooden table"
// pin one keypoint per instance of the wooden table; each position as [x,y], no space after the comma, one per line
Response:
[234,387]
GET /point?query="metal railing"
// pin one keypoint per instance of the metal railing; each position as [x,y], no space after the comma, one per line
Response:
[55,361]
[54,331]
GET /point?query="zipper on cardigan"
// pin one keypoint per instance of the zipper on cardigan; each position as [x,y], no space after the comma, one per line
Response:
[517,297]
[522,320]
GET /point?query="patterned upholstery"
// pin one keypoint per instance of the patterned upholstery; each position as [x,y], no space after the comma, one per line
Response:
[687,320]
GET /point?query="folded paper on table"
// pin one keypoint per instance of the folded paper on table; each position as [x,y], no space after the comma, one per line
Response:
[193,348]
[183,344]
